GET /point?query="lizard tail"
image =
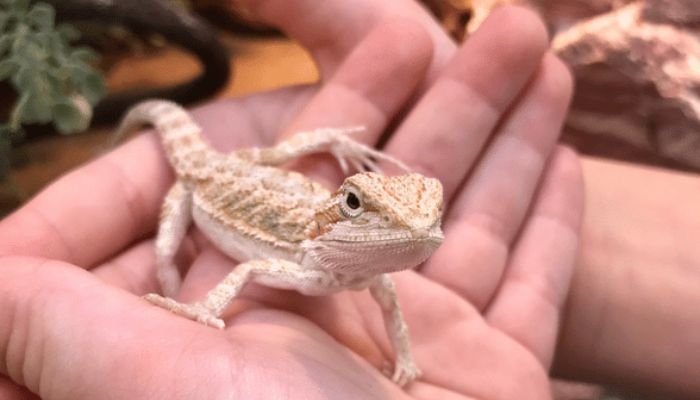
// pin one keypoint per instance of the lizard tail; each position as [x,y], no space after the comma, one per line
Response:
[186,149]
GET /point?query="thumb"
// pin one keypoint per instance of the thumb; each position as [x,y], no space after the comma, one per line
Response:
[66,335]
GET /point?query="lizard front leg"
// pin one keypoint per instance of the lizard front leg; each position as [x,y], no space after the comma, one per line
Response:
[175,218]
[384,292]
[277,273]
[333,140]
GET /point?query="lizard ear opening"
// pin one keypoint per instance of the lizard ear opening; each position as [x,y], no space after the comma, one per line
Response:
[351,203]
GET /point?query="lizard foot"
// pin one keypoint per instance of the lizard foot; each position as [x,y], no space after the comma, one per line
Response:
[359,155]
[405,372]
[194,311]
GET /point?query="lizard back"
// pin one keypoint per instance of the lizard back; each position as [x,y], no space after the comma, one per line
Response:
[266,209]
[248,210]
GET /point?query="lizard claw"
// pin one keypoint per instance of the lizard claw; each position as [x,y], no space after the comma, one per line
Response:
[195,311]
[359,155]
[405,372]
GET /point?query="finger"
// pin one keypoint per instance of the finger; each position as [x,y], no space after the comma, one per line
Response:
[457,115]
[370,87]
[537,280]
[486,215]
[93,211]
[374,80]
[132,270]
[244,122]
[11,391]
[56,315]
[331,29]
[450,340]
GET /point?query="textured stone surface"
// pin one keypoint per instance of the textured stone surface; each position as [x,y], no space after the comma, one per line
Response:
[679,12]
[637,86]
[637,70]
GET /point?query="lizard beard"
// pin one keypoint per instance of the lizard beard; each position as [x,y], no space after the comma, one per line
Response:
[372,255]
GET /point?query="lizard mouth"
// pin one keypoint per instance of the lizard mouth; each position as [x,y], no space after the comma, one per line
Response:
[388,238]
[378,252]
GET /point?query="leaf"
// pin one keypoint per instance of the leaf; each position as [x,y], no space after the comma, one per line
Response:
[19,5]
[26,78]
[93,87]
[57,79]
[15,121]
[84,55]
[42,16]
[7,68]
[43,39]
[57,50]
[35,52]
[47,74]
[57,75]
[5,42]
[68,32]
[21,35]
[36,98]
[38,108]
[4,19]
[68,118]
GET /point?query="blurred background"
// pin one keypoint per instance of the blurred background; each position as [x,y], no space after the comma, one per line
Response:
[69,68]
[130,56]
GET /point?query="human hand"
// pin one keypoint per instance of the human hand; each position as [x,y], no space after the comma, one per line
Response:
[632,314]
[482,313]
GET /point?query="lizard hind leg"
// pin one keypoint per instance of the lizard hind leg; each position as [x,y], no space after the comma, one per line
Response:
[209,310]
[271,272]
[175,219]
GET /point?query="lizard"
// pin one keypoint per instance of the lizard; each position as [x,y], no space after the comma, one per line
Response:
[286,230]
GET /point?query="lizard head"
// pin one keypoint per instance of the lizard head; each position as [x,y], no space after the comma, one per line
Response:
[378,224]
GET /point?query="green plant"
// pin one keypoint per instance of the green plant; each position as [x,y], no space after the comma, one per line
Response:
[53,81]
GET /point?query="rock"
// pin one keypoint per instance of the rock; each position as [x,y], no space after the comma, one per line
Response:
[637,70]
[638,82]
[678,12]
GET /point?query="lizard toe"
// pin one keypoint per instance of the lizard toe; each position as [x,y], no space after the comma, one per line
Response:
[405,373]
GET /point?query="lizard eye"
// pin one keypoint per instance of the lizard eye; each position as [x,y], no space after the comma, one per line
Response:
[352,201]
[351,204]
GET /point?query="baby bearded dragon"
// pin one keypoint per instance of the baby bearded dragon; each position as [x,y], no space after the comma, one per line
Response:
[288,231]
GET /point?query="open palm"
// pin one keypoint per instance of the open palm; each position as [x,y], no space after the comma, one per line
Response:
[482,312]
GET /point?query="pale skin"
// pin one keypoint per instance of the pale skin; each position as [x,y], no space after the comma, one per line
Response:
[637,296]
[486,340]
